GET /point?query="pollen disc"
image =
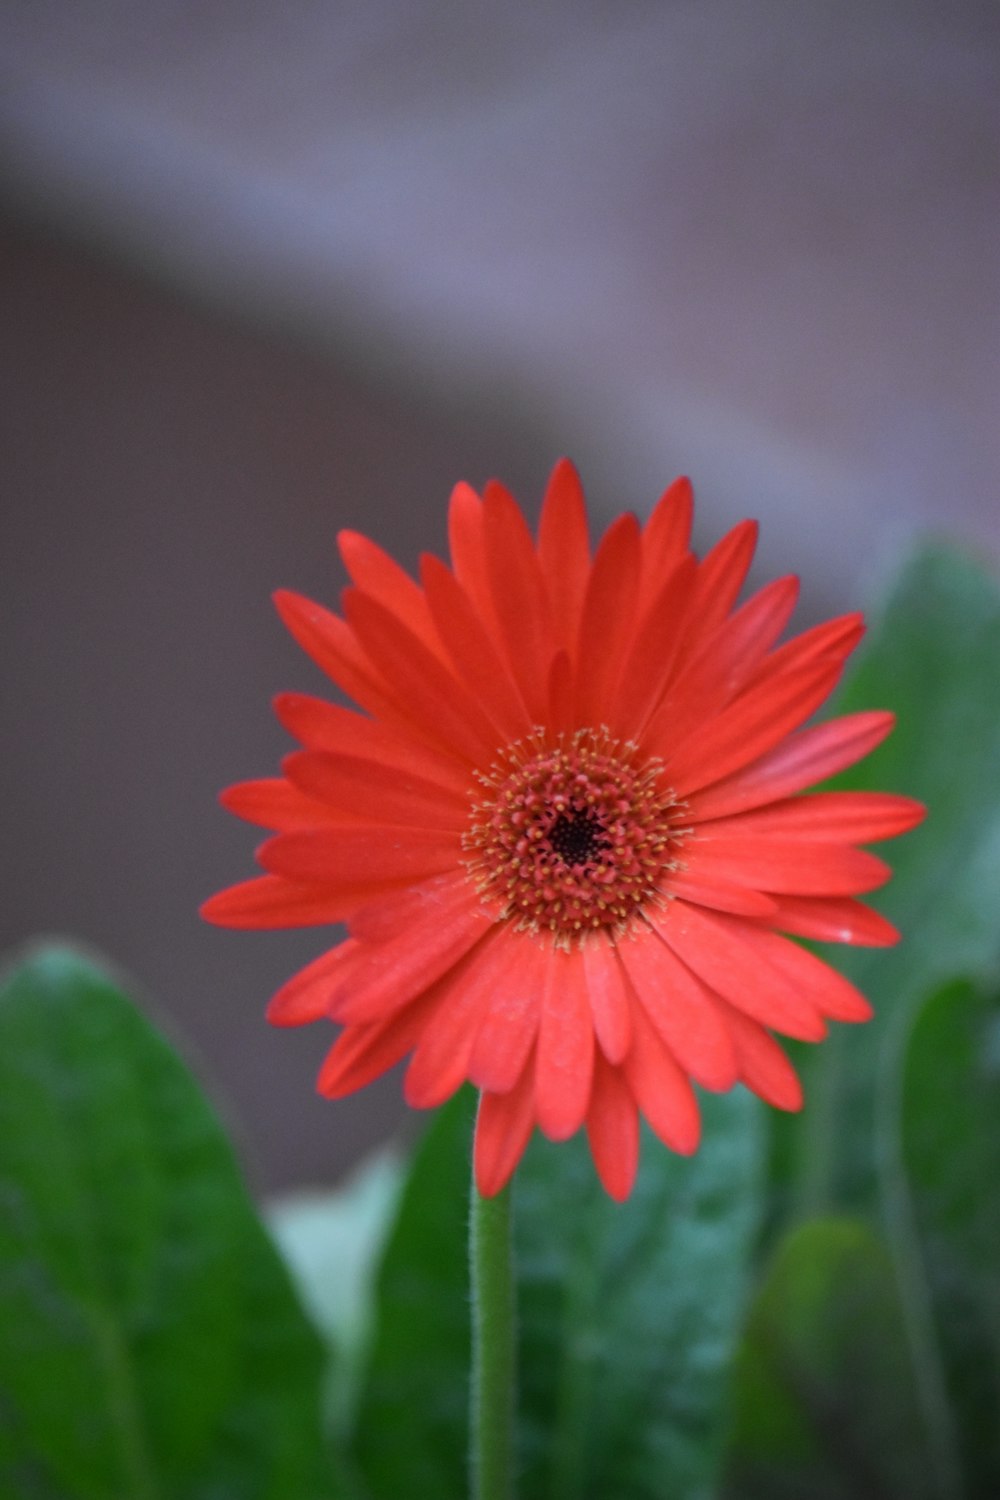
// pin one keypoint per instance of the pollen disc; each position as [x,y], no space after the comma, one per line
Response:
[573,834]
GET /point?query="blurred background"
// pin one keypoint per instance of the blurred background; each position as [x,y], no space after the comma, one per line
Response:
[269,271]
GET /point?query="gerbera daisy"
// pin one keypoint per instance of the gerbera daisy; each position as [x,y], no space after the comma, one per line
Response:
[565,829]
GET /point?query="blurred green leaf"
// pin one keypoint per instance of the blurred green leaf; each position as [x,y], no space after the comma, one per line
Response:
[934,658]
[826,1407]
[152,1345]
[947,1217]
[332,1243]
[412,1428]
[629,1315]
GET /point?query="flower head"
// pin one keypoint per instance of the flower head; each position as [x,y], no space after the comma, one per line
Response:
[566,830]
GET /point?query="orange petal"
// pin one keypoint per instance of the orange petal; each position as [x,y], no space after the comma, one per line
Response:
[363,1053]
[613,1131]
[724,953]
[610,1005]
[833,920]
[841,817]
[564,549]
[510,1022]
[682,1010]
[380,577]
[757,720]
[306,996]
[519,599]
[503,1128]
[661,1089]
[472,651]
[606,622]
[726,662]
[359,856]
[764,1068]
[785,866]
[421,686]
[666,537]
[389,974]
[326,726]
[648,663]
[564,1057]
[806,758]
[356,788]
[270,901]
[441,1060]
[272,803]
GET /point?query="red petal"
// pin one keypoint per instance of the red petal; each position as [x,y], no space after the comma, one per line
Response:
[441,1060]
[829,991]
[468,551]
[606,622]
[647,665]
[380,577]
[661,1089]
[764,1068]
[564,549]
[326,726]
[306,996]
[804,759]
[720,895]
[613,1131]
[564,1058]
[363,1053]
[785,866]
[833,921]
[510,1023]
[470,648]
[841,817]
[747,728]
[721,574]
[832,639]
[723,952]
[389,974]
[726,662]
[422,688]
[610,1005]
[359,856]
[560,712]
[503,1129]
[272,803]
[270,901]
[333,647]
[519,598]
[682,1010]
[666,537]
[357,789]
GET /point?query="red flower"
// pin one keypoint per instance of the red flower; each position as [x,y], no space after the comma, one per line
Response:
[565,831]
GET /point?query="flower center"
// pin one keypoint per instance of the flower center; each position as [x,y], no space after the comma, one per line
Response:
[572,835]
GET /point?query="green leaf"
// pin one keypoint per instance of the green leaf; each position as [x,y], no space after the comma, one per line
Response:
[948,1229]
[933,658]
[630,1313]
[628,1317]
[825,1400]
[411,1436]
[152,1344]
[332,1242]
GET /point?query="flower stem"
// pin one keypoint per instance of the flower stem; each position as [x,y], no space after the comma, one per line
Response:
[493,1346]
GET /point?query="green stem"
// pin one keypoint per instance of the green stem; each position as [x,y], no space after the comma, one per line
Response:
[493,1346]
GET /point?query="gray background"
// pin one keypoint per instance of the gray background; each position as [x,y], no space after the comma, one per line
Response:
[272,271]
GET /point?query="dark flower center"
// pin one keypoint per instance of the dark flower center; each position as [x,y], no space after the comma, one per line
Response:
[577,837]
